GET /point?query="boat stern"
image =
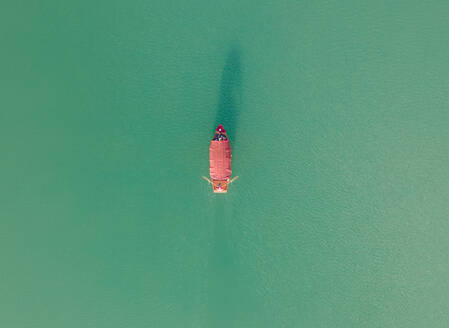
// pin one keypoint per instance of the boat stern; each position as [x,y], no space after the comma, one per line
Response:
[220,186]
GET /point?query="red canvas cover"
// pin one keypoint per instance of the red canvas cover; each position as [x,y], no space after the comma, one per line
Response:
[220,159]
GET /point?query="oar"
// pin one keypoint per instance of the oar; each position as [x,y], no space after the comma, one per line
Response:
[233,179]
[207,179]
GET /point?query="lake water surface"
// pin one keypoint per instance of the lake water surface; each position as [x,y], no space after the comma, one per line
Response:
[337,112]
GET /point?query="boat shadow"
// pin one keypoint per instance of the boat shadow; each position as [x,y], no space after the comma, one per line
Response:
[229,102]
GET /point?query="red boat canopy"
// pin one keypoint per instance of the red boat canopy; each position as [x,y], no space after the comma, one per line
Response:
[220,128]
[220,159]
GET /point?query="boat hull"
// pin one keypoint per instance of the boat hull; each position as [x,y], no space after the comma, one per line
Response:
[220,154]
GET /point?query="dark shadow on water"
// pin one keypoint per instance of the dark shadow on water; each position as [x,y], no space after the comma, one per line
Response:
[229,102]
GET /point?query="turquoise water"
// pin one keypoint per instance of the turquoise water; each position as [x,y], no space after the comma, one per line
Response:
[337,113]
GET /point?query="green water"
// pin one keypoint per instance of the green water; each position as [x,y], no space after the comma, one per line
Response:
[338,117]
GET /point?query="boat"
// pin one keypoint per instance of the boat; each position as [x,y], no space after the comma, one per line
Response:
[220,161]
